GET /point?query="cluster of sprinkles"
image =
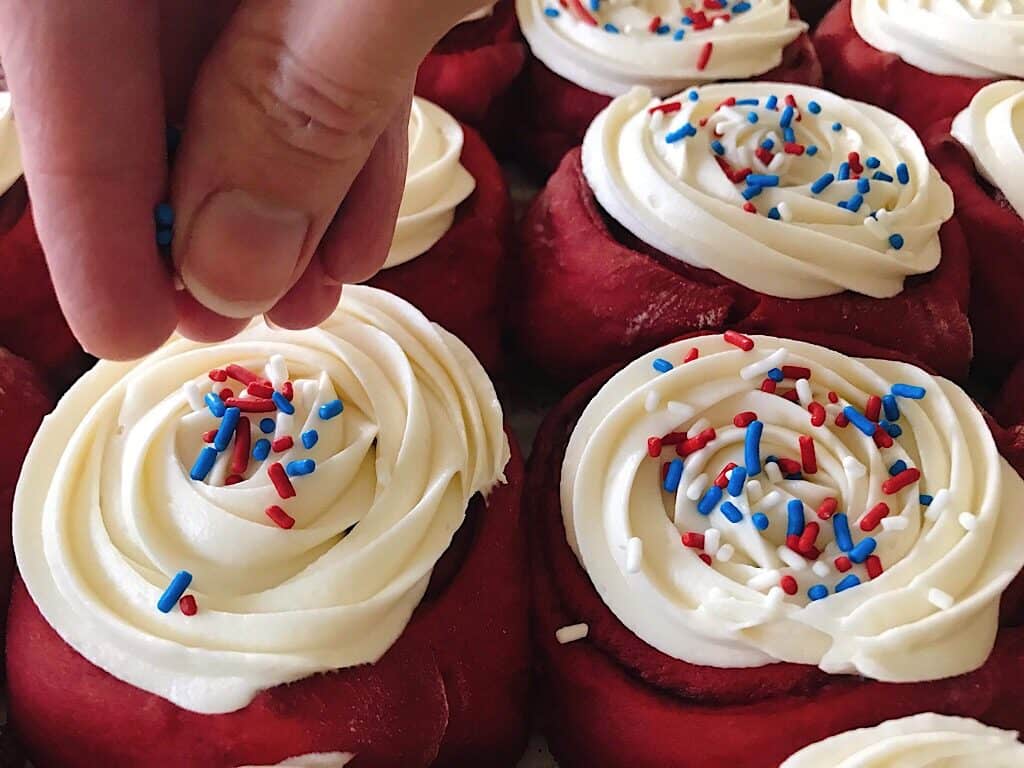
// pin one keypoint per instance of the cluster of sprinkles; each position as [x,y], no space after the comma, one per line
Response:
[854,532]
[781,131]
[234,435]
[697,17]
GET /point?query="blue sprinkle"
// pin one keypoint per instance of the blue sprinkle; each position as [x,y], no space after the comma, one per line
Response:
[773,213]
[926,499]
[760,520]
[837,127]
[611,28]
[768,143]
[227,429]
[863,186]
[860,421]
[789,135]
[674,475]
[204,463]
[747,102]
[215,404]
[849,582]
[267,426]
[818,592]
[664,29]
[752,117]
[872,162]
[741,7]
[686,20]
[903,173]
[819,186]
[863,549]
[310,438]
[661,365]
[261,450]
[841,204]
[174,591]
[709,500]
[300,467]
[164,237]
[894,430]
[841,527]
[854,203]
[773,100]
[737,479]
[693,95]
[844,172]
[787,116]
[331,409]
[731,512]
[751,192]
[891,408]
[717,146]
[794,517]
[896,241]
[752,448]
[794,476]
[282,403]
[812,150]
[164,215]
[763,180]
[813,107]
[595,5]
[881,176]
[908,391]
[897,467]
[552,13]
[772,459]
[679,35]
[776,374]
[681,133]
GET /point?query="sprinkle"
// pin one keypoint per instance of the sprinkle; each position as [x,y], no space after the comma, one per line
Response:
[226,393]
[300,467]
[814,107]
[679,35]
[191,392]
[791,558]
[863,548]
[174,591]
[681,133]
[841,527]
[693,540]
[903,173]
[967,521]
[874,516]
[725,553]
[792,148]
[288,391]
[674,475]
[651,401]
[849,581]
[925,499]
[766,365]
[819,186]
[773,213]
[821,569]
[837,127]
[261,450]
[895,523]
[241,374]
[874,566]
[739,340]
[696,488]
[788,584]
[572,633]
[187,605]
[941,600]
[938,505]
[634,554]
[763,180]
[776,374]
[860,421]
[742,7]
[611,29]
[731,512]
[896,241]
[744,419]
[854,203]
[900,481]
[717,146]
[705,558]
[243,440]
[209,435]
[817,592]
[667,108]
[882,439]
[737,481]
[818,415]
[812,150]
[809,537]
[282,403]
[653,447]
[552,13]
[282,444]
[752,118]
[705,56]
[710,500]
[252,404]
[279,478]
[794,517]
[760,520]
[203,464]
[881,176]
[808,458]
[843,564]
[267,426]
[227,429]
[281,518]
[768,386]
[863,186]
[723,477]
[692,95]
[908,391]
[215,404]
[827,508]
[897,467]
[218,375]
[329,410]
[844,172]
[661,365]
[748,194]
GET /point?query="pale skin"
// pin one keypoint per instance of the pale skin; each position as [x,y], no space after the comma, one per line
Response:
[288,178]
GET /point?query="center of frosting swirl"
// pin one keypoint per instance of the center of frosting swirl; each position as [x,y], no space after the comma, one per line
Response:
[738,501]
[789,190]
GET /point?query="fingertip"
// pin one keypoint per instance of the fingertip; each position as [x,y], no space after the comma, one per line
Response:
[123,337]
[198,323]
[311,301]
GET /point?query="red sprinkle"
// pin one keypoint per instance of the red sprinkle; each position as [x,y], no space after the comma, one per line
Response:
[692,355]
[251,404]
[793,542]
[796,372]
[809,537]
[279,478]
[259,389]
[854,160]
[843,564]
[874,408]
[282,444]
[739,340]
[280,517]
[243,442]
[730,102]
[208,436]
[705,55]
[827,508]
[898,482]
[768,386]
[788,584]
[288,391]
[791,102]
[764,155]
[833,397]
[812,553]
[807,455]
[694,444]
[789,466]
[693,540]
[673,438]
[792,148]
[667,108]
[749,207]
[218,375]
[241,374]
[226,393]
[742,420]
[705,557]
[882,439]
[818,415]
[187,605]
[582,12]
[653,26]
[842,420]
[735,176]
[874,516]
[791,395]
[874,566]
[654,447]
[233,479]
[721,481]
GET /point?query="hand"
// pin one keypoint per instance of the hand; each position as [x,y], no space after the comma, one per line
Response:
[290,172]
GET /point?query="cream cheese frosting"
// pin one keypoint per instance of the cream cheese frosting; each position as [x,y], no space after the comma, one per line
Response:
[315,760]
[435,184]
[609,46]
[991,128]
[921,741]
[968,38]
[10,149]
[815,508]
[844,195]
[394,427]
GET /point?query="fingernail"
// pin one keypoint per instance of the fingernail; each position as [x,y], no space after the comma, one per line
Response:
[242,253]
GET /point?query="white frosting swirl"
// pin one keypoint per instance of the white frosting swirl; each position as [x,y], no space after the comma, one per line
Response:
[991,128]
[930,610]
[10,149]
[480,13]
[921,741]
[609,46]
[969,38]
[106,512]
[435,182]
[316,760]
[665,176]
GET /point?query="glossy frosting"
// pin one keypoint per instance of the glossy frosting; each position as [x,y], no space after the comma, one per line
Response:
[992,130]
[922,741]
[617,46]
[435,182]
[10,152]
[947,37]
[317,760]
[106,512]
[958,551]
[665,176]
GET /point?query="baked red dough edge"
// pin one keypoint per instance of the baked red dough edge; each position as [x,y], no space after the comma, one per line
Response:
[450,692]
[612,700]
[590,296]
[458,282]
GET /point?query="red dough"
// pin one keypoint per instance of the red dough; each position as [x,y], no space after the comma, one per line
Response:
[592,296]
[995,239]
[451,692]
[856,70]
[668,712]
[559,111]
[471,71]
[457,283]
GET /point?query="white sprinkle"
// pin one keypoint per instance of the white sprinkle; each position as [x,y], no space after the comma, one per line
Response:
[773,472]
[218,387]
[698,426]
[778,160]
[572,633]
[285,423]
[725,552]
[791,558]
[634,554]
[754,490]
[876,228]
[967,521]
[821,569]
[785,211]
[895,523]
[651,401]
[681,411]
[771,499]
[764,579]
[803,392]
[193,396]
[277,370]
[712,541]
[719,21]
[696,488]
[937,507]
[941,600]
[761,367]
[853,467]
[656,118]
[775,596]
